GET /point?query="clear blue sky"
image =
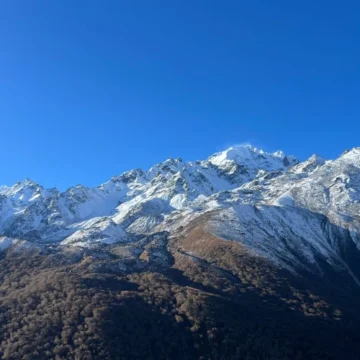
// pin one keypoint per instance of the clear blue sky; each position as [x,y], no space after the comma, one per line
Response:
[89,89]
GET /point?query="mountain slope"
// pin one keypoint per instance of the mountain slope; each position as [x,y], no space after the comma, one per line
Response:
[245,255]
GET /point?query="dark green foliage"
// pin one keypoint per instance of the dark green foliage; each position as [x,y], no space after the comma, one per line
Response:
[226,307]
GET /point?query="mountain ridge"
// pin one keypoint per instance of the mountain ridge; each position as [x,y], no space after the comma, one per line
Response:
[67,206]
[172,193]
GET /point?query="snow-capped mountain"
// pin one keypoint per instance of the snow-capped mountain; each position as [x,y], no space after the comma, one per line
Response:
[296,214]
[31,212]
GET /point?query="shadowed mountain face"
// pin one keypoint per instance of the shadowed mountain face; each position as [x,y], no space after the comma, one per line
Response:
[245,255]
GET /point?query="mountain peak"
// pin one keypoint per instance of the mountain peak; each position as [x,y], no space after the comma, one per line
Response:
[25,184]
[253,157]
[351,156]
[308,166]
[317,158]
[279,154]
[29,182]
[236,152]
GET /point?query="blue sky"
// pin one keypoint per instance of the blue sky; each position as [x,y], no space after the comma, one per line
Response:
[90,89]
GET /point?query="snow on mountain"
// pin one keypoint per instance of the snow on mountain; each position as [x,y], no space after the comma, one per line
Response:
[292,238]
[96,230]
[290,212]
[253,157]
[18,245]
[331,188]
[309,165]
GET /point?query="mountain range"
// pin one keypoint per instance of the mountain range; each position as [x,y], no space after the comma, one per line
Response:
[265,231]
